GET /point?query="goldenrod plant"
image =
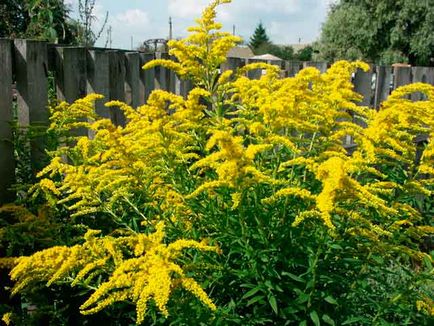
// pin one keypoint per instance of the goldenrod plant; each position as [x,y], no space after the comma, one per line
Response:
[306,232]
[140,267]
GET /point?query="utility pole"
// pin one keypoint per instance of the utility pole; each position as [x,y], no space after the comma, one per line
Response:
[233,30]
[109,37]
[170,28]
[131,42]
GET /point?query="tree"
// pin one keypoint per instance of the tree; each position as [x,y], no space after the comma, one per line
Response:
[86,35]
[305,54]
[260,44]
[48,20]
[384,31]
[259,39]
[44,20]
[14,18]
[284,52]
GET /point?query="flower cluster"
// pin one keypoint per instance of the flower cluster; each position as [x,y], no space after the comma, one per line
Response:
[200,55]
[137,268]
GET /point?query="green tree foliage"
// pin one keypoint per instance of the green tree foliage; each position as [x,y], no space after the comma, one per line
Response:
[260,43]
[13,18]
[259,39]
[86,36]
[48,21]
[44,20]
[383,31]
[284,52]
[305,54]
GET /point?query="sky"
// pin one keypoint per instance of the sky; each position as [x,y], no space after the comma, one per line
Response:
[286,21]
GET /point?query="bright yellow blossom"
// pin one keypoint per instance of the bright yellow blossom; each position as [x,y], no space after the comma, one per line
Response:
[6,318]
[151,274]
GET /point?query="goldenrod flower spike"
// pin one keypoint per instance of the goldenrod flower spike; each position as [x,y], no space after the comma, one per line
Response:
[200,55]
[151,273]
[7,318]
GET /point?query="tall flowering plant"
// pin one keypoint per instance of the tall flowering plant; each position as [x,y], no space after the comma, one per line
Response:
[305,231]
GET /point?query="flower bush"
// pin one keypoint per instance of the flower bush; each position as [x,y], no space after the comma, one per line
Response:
[305,232]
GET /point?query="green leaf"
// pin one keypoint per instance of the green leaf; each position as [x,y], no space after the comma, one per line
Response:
[353,320]
[427,262]
[328,320]
[254,300]
[331,300]
[251,292]
[268,284]
[310,284]
[294,277]
[336,246]
[378,259]
[314,316]
[273,303]
[302,298]
[303,323]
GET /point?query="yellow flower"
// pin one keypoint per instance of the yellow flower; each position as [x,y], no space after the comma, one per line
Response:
[202,52]
[7,318]
[151,274]
[426,306]
[8,262]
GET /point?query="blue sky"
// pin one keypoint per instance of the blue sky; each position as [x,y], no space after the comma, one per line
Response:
[286,21]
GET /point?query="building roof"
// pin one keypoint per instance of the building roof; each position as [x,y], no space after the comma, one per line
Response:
[243,52]
[267,56]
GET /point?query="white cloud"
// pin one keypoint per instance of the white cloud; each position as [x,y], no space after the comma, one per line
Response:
[186,8]
[285,20]
[132,23]
[278,6]
[133,17]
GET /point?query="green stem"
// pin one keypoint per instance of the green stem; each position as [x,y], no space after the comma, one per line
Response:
[314,270]
[136,210]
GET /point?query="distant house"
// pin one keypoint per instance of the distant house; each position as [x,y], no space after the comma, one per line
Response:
[243,52]
[266,57]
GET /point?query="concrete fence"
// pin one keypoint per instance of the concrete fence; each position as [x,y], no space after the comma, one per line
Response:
[27,66]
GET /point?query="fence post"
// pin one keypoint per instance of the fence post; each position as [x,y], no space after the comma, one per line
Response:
[173,80]
[147,77]
[31,62]
[402,76]
[363,85]
[162,75]
[7,160]
[185,87]
[292,68]
[232,64]
[117,84]
[176,84]
[71,77]
[422,75]
[255,73]
[98,79]
[321,66]
[71,73]
[132,87]
[383,84]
